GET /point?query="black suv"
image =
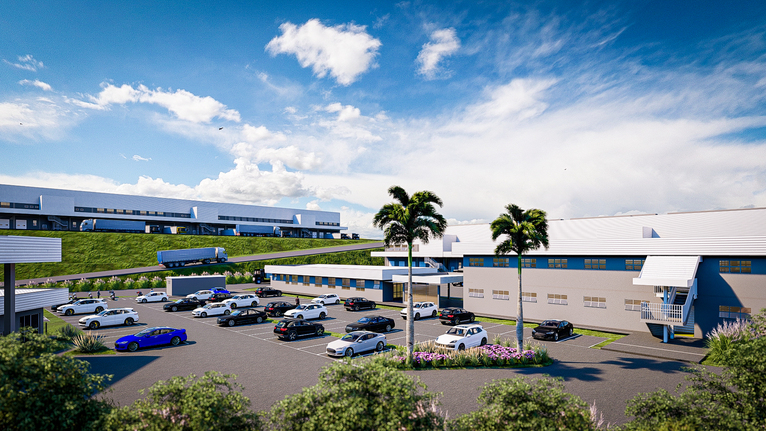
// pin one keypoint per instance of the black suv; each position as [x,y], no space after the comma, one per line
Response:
[277,308]
[358,303]
[290,329]
[453,316]
[267,291]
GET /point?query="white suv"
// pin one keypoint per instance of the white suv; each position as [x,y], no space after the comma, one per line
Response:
[245,300]
[308,311]
[84,306]
[202,295]
[214,309]
[114,316]
[463,337]
[421,309]
[328,298]
[152,297]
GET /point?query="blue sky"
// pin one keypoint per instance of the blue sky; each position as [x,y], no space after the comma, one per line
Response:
[577,108]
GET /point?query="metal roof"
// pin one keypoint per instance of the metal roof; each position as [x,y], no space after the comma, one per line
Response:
[668,271]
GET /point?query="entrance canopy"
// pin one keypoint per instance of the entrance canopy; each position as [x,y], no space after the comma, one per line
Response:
[438,278]
[678,271]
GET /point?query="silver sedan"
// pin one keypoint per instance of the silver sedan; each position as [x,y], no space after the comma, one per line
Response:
[357,342]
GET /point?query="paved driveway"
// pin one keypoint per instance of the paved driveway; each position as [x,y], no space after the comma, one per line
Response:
[270,369]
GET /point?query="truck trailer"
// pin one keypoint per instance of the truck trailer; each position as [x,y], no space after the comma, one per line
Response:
[256,230]
[106,225]
[176,258]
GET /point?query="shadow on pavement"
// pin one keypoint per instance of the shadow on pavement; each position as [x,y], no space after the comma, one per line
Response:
[634,363]
[121,366]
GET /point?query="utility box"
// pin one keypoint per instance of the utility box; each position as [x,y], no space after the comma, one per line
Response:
[182,286]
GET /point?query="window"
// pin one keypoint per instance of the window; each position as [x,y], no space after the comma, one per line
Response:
[555,298]
[360,283]
[501,262]
[360,289]
[294,279]
[726,312]
[735,266]
[331,282]
[501,294]
[346,284]
[633,304]
[475,261]
[557,263]
[634,264]
[595,263]
[528,297]
[306,280]
[529,263]
[318,281]
[398,290]
[32,320]
[476,293]
[594,301]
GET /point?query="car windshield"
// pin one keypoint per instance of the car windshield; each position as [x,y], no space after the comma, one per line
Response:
[364,320]
[301,307]
[351,337]
[179,301]
[145,332]
[103,313]
[282,324]
[456,331]
[551,323]
[236,297]
[208,306]
[237,313]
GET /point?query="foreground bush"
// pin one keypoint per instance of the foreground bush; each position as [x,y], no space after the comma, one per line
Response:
[210,402]
[40,390]
[359,397]
[429,355]
[88,343]
[525,404]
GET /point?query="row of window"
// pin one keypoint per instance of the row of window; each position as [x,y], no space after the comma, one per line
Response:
[255,219]
[327,223]
[725,266]
[415,247]
[18,205]
[736,266]
[130,212]
[329,282]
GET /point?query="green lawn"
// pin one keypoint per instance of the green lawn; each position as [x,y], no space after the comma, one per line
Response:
[610,336]
[55,323]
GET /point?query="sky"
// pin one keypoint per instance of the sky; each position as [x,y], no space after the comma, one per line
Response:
[580,109]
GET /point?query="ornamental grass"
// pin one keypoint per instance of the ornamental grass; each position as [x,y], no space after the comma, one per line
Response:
[429,355]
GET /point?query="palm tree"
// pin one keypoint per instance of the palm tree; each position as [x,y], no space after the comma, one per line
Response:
[525,231]
[413,217]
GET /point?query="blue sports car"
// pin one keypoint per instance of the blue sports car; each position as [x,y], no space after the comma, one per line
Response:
[219,290]
[151,337]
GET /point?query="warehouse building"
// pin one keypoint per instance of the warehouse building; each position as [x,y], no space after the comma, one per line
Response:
[39,208]
[677,274]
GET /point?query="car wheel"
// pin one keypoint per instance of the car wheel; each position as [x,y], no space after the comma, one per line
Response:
[68,312]
[143,300]
[164,299]
[300,316]
[320,331]
[93,325]
[258,319]
[203,314]
[254,304]
[292,336]
[175,341]
[483,341]
[417,316]
[372,306]
[356,308]
[233,305]
[404,317]
[133,346]
[337,301]
[454,322]
[278,313]
[99,309]
[571,331]
[231,322]
[322,315]
[470,319]
[174,308]
[379,347]
[388,328]
[349,352]
[226,312]
[129,321]
[555,336]
[461,347]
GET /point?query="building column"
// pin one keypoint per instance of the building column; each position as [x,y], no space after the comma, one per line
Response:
[665,302]
[9,303]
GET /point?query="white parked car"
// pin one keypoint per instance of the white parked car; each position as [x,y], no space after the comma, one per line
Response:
[214,309]
[245,300]
[308,311]
[202,295]
[328,298]
[421,309]
[110,317]
[84,306]
[463,337]
[152,297]
[357,342]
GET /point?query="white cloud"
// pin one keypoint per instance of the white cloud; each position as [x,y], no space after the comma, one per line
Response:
[37,83]
[313,205]
[26,62]
[138,158]
[34,119]
[185,105]
[443,43]
[344,51]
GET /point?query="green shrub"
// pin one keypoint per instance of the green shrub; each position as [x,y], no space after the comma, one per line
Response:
[142,283]
[89,343]
[68,332]
[157,283]
[83,285]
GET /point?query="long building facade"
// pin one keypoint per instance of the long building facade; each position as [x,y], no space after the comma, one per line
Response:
[37,208]
[678,274]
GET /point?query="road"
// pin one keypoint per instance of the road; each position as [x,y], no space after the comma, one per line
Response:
[240,259]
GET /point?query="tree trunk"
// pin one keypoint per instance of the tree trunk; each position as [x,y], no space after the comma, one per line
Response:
[519,317]
[410,334]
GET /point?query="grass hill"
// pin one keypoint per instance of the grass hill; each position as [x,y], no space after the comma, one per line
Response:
[84,252]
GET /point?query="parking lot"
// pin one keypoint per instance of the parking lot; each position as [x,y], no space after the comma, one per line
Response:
[269,369]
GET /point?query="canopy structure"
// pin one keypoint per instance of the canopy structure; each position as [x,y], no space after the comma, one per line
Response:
[678,271]
[22,249]
[436,278]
